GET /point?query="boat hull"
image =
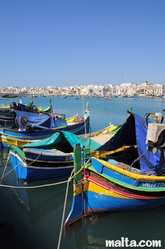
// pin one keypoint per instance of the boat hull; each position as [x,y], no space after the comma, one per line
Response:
[15,137]
[99,199]
[38,170]
[7,116]
[132,179]
[105,187]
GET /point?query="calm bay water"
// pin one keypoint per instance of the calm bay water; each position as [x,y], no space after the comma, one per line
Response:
[31,218]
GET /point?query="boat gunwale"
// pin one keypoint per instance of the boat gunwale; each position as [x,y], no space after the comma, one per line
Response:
[113,186]
[127,172]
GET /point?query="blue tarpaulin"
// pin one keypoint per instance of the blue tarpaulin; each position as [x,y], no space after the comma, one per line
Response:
[38,119]
[133,132]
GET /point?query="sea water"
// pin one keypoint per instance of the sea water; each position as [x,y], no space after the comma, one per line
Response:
[32,217]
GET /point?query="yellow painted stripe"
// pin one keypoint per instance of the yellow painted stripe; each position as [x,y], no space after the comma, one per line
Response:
[77,189]
[99,154]
[70,119]
[131,174]
[93,187]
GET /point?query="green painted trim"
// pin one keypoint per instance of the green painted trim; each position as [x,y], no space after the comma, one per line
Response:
[18,151]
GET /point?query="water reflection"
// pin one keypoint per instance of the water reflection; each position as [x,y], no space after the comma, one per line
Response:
[31,217]
[141,225]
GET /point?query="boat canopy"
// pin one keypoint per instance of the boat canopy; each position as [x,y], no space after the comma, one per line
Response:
[36,119]
[133,132]
[64,141]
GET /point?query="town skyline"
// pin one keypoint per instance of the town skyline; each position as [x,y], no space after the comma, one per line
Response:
[133,82]
[124,89]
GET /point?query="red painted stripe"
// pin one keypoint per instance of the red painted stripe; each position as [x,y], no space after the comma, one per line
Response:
[122,192]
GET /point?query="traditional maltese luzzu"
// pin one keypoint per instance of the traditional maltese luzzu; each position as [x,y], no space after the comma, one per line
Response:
[126,173]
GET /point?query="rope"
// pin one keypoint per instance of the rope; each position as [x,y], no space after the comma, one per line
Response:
[4,168]
[137,159]
[18,165]
[45,185]
[11,170]
[63,214]
[7,160]
[3,175]
[65,201]
[48,185]
[28,187]
[35,159]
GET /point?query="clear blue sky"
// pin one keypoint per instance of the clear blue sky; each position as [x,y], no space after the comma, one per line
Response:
[79,42]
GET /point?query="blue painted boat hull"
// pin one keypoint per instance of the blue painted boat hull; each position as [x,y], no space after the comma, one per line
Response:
[42,170]
[11,136]
[93,203]
[97,199]
[115,183]
[7,115]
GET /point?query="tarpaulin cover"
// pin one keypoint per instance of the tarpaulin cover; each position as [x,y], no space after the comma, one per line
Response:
[133,132]
[62,140]
[35,119]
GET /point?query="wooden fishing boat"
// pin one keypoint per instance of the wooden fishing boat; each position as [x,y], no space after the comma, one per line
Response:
[48,158]
[8,113]
[46,168]
[130,177]
[101,136]
[42,126]
[53,155]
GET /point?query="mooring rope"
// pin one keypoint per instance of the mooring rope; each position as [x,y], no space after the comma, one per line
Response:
[10,170]
[31,187]
[3,174]
[35,159]
[4,168]
[65,201]
[63,213]
[46,185]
